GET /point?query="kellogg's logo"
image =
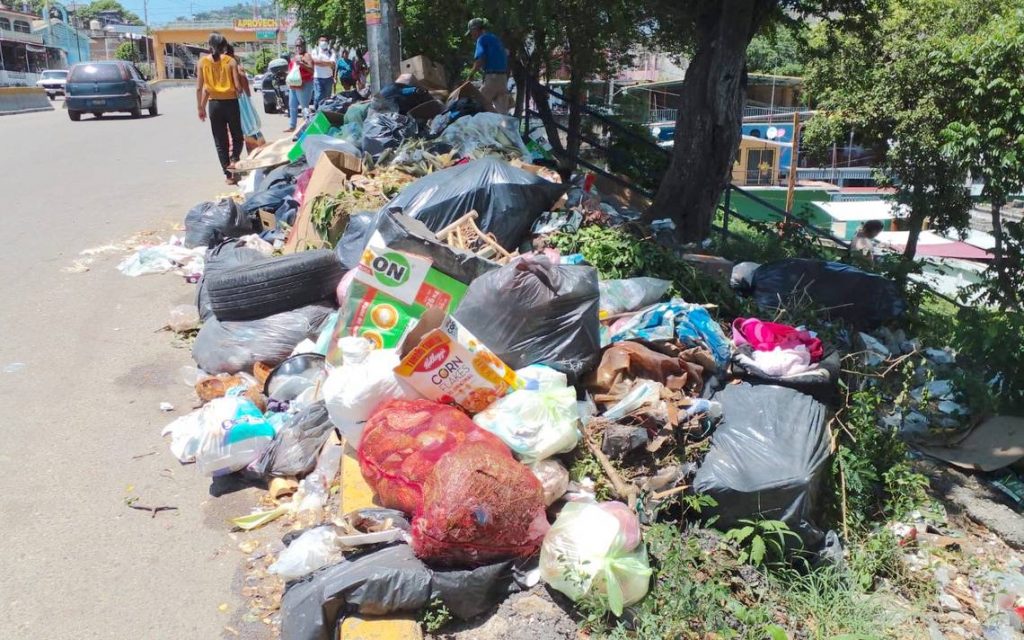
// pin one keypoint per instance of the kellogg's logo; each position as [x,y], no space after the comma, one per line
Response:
[434,359]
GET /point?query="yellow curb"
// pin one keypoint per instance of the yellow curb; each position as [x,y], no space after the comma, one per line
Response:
[356,494]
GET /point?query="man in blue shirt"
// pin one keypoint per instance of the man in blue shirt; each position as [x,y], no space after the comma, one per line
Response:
[491,58]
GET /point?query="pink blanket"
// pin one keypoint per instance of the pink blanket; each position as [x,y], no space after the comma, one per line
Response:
[766,336]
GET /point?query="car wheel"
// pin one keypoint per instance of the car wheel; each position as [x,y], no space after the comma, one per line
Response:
[51,96]
[74,115]
[152,109]
[137,109]
[274,286]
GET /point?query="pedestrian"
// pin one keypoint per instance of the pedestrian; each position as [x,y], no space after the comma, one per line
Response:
[217,90]
[324,64]
[300,83]
[864,240]
[348,82]
[360,69]
[491,58]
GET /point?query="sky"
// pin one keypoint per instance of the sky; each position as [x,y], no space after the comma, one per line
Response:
[163,11]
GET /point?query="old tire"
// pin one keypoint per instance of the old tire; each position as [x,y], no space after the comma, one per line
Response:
[74,115]
[272,286]
[137,109]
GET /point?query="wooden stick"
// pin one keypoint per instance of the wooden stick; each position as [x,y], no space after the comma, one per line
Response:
[622,489]
[669,492]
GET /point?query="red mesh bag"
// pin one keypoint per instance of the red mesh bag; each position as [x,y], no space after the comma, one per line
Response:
[479,506]
[402,442]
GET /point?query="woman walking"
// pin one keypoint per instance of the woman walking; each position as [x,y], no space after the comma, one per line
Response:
[217,89]
[300,83]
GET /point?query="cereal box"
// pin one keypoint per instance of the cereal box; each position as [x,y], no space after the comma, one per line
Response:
[444,362]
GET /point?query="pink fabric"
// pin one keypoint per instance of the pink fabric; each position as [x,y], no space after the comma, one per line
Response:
[767,336]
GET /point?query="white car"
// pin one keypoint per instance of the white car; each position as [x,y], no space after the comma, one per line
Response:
[53,81]
[257,82]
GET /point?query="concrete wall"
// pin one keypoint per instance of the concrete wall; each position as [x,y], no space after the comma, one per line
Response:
[23,100]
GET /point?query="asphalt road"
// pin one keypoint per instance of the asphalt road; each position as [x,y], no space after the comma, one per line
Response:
[83,370]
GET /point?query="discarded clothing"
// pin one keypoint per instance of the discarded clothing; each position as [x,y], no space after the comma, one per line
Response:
[768,336]
[691,323]
[779,363]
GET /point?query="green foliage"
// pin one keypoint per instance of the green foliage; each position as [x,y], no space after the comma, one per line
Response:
[92,10]
[231,12]
[585,465]
[620,253]
[988,135]
[263,58]
[895,87]
[435,616]
[643,164]
[778,50]
[700,590]
[990,345]
[870,462]
[127,51]
[762,542]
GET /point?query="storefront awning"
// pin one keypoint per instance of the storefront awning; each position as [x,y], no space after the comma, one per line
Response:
[34,48]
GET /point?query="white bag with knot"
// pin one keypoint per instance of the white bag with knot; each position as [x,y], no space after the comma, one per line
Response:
[534,424]
[353,390]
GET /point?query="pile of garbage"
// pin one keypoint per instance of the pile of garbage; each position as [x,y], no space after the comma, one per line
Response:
[391,301]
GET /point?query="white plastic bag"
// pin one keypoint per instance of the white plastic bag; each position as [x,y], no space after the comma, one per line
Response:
[294,77]
[353,390]
[232,434]
[591,548]
[314,549]
[534,424]
[476,134]
[554,479]
[630,294]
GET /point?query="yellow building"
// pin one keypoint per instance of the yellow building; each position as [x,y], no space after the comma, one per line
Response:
[757,162]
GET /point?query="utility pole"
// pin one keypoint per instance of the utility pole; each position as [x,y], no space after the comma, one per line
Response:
[145,38]
[381,36]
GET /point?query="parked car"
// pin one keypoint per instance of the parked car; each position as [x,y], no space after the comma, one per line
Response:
[53,81]
[257,82]
[103,87]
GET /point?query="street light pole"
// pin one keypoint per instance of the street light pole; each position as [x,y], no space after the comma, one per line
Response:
[145,39]
[381,36]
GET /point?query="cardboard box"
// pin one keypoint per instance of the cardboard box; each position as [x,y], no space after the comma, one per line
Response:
[446,363]
[431,74]
[330,174]
[468,90]
[390,291]
[426,110]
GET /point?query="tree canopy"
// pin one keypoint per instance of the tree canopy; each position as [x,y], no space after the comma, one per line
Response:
[93,9]
[894,85]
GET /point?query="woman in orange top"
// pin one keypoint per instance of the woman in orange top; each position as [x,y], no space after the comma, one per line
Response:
[217,88]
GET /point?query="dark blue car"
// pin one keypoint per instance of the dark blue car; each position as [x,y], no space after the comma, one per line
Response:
[102,87]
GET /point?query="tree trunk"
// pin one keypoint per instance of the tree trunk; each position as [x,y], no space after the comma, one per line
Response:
[918,213]
[572,145]
[1007,290]
[710,116]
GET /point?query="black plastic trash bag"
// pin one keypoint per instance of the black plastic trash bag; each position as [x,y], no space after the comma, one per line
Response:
[233,346]
[405,97]
[386,131]
[208,223]
[533,312]
[863,299]
[821,383]
[352,242]
[506,199]
[269,199]
[403,233]
[768,459]
[294,449]
[391,580]
[287,173]
[226,255]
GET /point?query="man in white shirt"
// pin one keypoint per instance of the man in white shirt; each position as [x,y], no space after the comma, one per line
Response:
[325,63]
